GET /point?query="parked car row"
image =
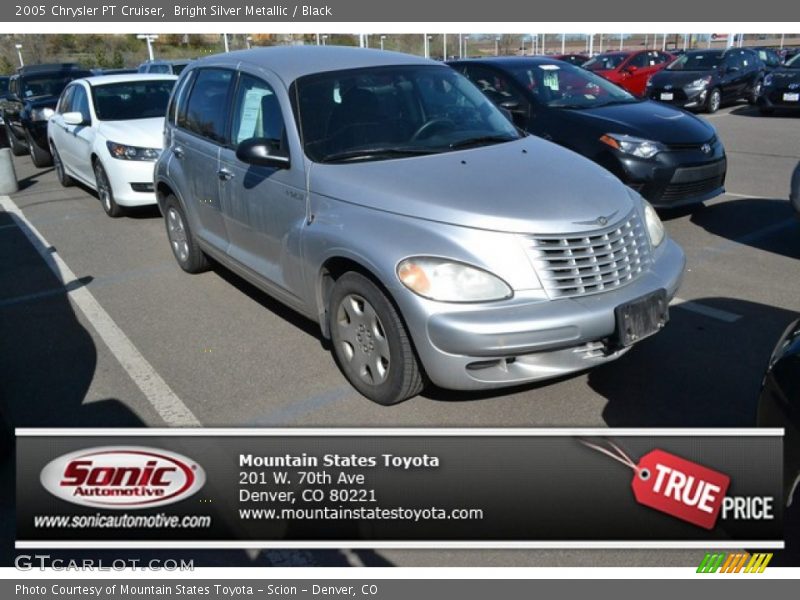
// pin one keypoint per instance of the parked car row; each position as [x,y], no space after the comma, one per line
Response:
[402,204]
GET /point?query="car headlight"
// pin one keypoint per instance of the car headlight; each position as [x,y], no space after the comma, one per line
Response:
[450,281]
[698,84]
[655,228]
[768,80]
[628,144]
[42,114]
[124,152]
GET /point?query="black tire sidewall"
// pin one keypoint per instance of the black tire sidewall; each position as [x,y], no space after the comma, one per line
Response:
[61,173]
[114,210]
[710,108]
[386,393]
[196,261]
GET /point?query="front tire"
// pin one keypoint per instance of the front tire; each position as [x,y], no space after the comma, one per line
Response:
[61,173]
[713,101]
[17,149]
[41,158]
[370,342]
[184,247]
[105,193]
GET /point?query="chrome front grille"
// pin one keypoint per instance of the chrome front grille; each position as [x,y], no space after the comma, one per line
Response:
[591,262]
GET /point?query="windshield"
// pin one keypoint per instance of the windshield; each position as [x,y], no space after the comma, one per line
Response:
[793,63]
[177,68]
[47,85]
[381,113]
[700,61]
[567,86]
[605,62]
[132,99]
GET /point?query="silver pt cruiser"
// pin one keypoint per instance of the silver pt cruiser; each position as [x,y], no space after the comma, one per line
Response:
[383,196]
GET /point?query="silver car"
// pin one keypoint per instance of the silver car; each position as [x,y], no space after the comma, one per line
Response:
[384,197]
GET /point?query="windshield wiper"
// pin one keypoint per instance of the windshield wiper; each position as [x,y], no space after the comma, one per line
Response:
[481,140]
[375,153]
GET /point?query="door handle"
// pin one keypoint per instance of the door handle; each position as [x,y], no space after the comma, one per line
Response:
[178,152]
[224,174]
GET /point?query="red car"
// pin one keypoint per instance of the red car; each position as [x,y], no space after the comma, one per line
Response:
[630,70]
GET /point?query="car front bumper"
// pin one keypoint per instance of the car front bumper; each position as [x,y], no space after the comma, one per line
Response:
[131,181]
[774,97]
[689,98]
[520,341]
[678,177]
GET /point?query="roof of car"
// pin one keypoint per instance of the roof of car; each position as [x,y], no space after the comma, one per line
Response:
[510,61]
[177,61]
[291,62]
[126,77]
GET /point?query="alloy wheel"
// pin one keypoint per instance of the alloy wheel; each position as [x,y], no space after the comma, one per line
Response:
[177,235]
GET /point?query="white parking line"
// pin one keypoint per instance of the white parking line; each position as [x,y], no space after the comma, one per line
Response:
[707,311]
[166,403]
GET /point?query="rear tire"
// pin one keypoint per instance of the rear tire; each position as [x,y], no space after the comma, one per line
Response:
[61,173]
[17,149]
[370,342]
[184,247]
[41,158]
[713,101]
[755,92]
[105,193]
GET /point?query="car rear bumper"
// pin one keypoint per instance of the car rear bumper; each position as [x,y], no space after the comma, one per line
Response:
[774,98]
[519,342]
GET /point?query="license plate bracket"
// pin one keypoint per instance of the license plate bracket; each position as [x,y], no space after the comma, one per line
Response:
[640,318]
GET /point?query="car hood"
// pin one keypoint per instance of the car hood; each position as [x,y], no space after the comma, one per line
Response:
[526,186]
[648,119]
[146,133]
[679,79]
[784,76]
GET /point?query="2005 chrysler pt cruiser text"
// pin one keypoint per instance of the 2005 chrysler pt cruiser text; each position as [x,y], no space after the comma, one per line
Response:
[385,197]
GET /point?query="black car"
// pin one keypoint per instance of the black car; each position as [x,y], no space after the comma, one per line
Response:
[33,94]
[705,79]
[794,191]
[779,405]
[781,88]
[668,155]
[4,81]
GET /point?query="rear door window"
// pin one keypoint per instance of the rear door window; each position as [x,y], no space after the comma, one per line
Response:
[206,111]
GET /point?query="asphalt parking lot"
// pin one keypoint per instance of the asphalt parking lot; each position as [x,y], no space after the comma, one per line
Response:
[213,350]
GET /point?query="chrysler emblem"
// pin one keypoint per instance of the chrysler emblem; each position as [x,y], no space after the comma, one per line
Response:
[601,220]
[706,148]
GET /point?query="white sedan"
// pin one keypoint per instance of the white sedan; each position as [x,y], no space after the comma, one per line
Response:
[107,133]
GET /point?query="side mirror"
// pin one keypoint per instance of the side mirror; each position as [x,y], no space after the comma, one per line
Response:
[632,69]
[732,69]
[73,118]
[262,151]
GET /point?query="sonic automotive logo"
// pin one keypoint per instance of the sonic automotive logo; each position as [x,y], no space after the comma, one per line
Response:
[122,477]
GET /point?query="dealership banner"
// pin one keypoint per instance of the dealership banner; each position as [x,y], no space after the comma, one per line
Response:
[404,488]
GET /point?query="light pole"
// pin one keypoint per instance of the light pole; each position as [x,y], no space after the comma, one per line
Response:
[523,46]
[225,40]
[563,42]
[466,46]
[383,37]
[148,37]
[497,46]
[620,42]
[316,38]
[19,54]
[248,39]
[324,40]
[444,46]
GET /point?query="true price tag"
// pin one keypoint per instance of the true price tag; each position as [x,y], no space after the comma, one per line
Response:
[673,485]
